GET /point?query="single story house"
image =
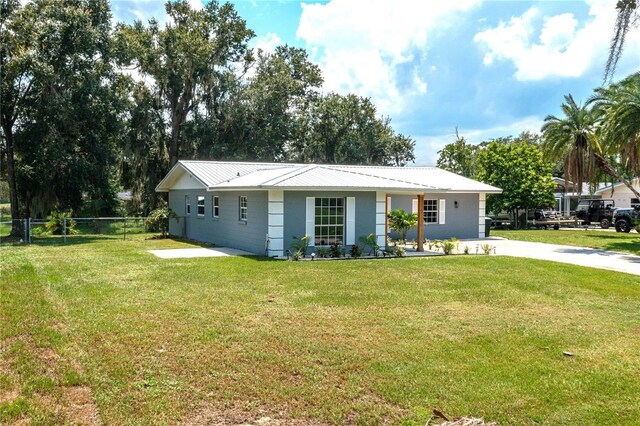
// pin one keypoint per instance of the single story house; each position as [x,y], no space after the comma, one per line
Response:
[620,193]
[262,207]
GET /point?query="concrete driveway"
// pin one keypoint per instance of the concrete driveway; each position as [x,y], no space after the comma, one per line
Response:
[183,253]
[602,259]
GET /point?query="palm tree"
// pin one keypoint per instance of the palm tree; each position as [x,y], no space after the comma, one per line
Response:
[577,141]
[402,221]
[570,139]
[618,111]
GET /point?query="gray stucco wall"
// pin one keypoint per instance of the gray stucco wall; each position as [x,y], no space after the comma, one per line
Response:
[226,230]
[461,222]
[295,212]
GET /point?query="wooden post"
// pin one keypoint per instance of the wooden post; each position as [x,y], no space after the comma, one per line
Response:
[420,222]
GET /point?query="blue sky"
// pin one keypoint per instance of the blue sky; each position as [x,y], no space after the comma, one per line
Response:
[489,68]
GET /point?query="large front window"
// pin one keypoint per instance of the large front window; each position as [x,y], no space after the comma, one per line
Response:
[329,221]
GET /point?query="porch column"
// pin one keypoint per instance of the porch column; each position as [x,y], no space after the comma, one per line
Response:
[275,225]
[381,218]
[481,214]
[420,222]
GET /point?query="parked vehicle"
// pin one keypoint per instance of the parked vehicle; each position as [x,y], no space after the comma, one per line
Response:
[596,210]
[626,219]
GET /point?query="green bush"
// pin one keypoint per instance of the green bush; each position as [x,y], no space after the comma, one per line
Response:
[158,220]
[300,246]
[56,223]
[370,242]
[448,247]
[322,252]
[399,251]
[335,249]
[356,250]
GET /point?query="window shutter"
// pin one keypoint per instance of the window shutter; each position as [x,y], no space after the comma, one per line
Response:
[414,205]
[350,236]
[441,211]
[310,227]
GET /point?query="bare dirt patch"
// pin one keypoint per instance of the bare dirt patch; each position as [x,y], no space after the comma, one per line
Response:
[211,416]
[78,405]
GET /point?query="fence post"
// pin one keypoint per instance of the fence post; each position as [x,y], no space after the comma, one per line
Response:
[30,231]
[25,224]
[64,229]
[124,227]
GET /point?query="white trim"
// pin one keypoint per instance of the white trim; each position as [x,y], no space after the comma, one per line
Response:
[481,214]
[381,209]
[310,223]
[275,223]
[350,232]
[441,211]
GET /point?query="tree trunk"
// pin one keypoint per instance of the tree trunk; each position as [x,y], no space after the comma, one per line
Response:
[607,168]
[11,177]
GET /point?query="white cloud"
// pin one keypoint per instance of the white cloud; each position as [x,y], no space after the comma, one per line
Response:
[375,48]
[427,147]
[267,43]
[562,47]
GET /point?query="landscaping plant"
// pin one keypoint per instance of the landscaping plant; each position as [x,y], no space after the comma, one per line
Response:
[402,221]
[158,220]
[371,242]
[300,245]
[356,250]
[56,223]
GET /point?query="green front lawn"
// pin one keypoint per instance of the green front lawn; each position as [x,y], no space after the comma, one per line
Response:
[155,341]
[616,241]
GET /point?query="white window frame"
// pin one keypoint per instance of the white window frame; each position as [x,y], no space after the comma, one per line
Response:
[215,206]
[242,208]
[200,205]
[320,216]
[187,206]
[430,214]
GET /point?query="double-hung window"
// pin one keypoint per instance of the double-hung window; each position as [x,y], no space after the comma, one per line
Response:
[187,205]
[329,221]
[430,211]
[200,205]
[242,211]
[215,202]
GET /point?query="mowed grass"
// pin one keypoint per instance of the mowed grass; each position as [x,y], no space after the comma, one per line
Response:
[151,341]
[616,241]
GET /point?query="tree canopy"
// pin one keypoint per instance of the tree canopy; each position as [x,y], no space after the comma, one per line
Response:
[88,108]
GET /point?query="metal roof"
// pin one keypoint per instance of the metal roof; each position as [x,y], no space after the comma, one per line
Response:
[215,175]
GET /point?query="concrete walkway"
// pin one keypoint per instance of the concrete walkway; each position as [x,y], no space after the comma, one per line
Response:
[199,252]
[602,259]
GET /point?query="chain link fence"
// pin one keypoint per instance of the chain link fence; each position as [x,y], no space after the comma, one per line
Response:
[74,230]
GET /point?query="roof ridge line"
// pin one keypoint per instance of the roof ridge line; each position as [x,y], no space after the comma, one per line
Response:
[291,174]
[384,177]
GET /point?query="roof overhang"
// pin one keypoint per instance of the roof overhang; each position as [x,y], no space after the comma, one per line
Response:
[177,172]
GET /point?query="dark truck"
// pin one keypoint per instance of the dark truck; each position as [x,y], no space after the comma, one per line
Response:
[596,210]
[627,218]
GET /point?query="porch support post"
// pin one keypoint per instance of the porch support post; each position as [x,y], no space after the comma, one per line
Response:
[381,218]
[420,222]
[275,225]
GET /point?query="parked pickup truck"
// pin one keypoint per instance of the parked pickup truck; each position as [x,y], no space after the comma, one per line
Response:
[596,210]
[626,219]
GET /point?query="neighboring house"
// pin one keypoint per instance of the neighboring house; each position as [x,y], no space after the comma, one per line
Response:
[621,194]
[568,195]
[261,207]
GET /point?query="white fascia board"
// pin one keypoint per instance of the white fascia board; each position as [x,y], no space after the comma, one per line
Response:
[172,172]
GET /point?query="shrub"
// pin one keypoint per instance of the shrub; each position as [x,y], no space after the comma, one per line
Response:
[300,245]
[448,247]
[466,249]
[486,248]
[371,242]
[335,249]
[56,223]
[399,251]
[158,220]
[296,255]
[356,251]
[322,252]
